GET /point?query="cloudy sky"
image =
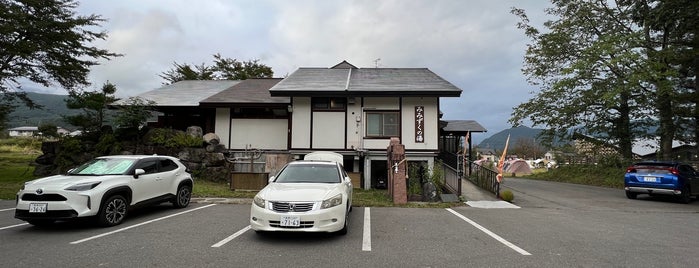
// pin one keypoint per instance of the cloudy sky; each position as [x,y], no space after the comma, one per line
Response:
[473,44]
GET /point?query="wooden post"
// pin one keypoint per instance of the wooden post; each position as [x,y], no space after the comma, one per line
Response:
[396,172]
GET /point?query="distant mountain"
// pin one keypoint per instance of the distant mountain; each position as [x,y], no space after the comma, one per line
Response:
[54,107]
[497,140]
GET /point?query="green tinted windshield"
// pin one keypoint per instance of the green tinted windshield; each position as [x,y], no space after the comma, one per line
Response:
[105,166]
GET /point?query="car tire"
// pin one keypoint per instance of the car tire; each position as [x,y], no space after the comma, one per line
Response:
[113,211]
[41,223]
[631,195]
[183,196]
[345,228]
[686,195]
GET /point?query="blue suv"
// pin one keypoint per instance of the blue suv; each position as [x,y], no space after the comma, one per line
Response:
[662,178]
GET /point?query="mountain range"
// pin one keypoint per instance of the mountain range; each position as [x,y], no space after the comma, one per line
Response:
[52,111]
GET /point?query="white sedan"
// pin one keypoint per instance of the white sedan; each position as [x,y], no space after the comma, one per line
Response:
[305,196]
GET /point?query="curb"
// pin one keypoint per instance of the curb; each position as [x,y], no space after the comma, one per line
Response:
[218,200]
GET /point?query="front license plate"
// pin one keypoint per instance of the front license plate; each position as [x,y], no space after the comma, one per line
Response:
[290,221]
[650,179]
[38,207]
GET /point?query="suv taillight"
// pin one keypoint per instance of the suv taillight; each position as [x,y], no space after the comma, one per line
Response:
[630,170]
[674,171]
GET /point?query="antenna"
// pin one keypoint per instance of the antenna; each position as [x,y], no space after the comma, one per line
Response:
[376,62]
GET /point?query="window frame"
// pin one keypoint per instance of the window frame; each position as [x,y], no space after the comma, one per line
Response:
[330,104]
[382,126]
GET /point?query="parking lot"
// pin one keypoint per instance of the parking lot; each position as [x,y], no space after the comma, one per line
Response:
[571,226]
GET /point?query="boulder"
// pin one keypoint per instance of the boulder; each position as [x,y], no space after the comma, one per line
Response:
[195,131]
[211,138]
[218,148]
[214,160]
[195,155]
[215,174]
[429,192]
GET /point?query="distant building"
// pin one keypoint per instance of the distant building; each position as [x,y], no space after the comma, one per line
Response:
[32,131]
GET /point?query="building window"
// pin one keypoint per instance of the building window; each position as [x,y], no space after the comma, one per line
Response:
[260,112]
[329,104]
[382,124]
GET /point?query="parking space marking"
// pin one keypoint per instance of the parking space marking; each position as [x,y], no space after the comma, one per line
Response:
[137,225]
[233,236]
[491,234]
[7,209]
[13,226]
[366,240]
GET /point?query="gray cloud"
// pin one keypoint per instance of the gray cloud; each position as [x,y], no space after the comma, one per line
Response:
[473,44]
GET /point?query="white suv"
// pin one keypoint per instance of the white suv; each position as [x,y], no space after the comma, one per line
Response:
[105,187]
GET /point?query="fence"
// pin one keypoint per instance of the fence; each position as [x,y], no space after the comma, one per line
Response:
[483,177]
[452,181]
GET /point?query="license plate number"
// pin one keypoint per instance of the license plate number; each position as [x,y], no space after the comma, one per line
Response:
[37,207]
[650,179]
[290,221]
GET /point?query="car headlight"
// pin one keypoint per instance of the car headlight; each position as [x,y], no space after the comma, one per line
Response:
[83,186]
[331,202]
[259,201]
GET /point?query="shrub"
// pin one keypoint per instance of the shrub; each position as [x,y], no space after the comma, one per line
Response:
[507,195]
[172,138]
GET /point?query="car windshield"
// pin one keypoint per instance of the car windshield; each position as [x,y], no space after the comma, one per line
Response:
[312,173]
[104,166]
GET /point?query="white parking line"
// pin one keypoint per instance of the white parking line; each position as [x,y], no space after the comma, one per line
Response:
[7,209]
[366,240]
[233,236]
[13,226]
[488,232]
[136,225]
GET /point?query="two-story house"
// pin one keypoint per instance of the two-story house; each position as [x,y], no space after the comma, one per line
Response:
[355,111]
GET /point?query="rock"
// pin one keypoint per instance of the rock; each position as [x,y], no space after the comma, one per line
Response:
[195,155]
[429,192]
[211,138]
[218,148]
[215,174]
[44,170]
[195,131]
[46,159]
[214,160]
[49,147]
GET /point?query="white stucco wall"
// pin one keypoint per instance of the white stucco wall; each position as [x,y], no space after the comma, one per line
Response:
[328,130]
[354,124]
[222,125]
[301,123]
[259,133]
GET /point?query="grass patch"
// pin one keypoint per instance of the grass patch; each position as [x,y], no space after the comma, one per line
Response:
[204,188]
[15,157]
[595,175]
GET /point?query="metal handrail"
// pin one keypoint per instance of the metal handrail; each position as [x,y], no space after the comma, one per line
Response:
[483,177]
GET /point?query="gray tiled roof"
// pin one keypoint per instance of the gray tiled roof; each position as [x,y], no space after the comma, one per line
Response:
[365,82]
[185,93]
[247,91]
[463,126]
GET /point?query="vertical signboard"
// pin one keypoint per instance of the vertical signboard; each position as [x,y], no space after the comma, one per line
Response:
[419,124]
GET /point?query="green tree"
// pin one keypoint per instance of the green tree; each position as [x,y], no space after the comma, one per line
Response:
[46,43]
[134,113]
[181,72]
[48,130]
[222,69]
[232,69]
[606,69]
[94,108]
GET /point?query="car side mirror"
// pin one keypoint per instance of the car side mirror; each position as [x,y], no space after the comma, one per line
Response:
[138,172]
[271,179]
